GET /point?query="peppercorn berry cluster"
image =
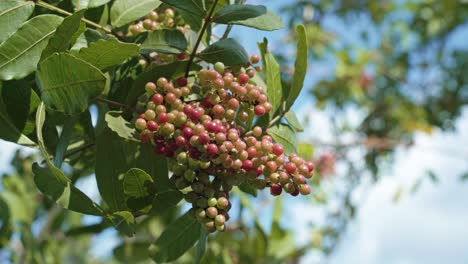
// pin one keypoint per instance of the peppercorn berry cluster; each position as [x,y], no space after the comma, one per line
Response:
[201,128]
[158,19]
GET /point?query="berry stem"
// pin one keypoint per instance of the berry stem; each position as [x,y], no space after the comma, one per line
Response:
[110,102]
[200,37]
[64,12]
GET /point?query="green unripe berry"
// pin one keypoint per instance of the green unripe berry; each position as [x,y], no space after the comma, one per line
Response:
[219,67]
[212,202]
[209,192]
[205,165]
[200,214]
[220,228]
[189,175]
[191,197]
[150,114]
[198,187]
[202,202]
[182,157]
[150,105]
[222,203]
[167,129]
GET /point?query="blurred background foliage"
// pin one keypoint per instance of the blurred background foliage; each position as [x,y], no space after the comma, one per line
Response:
[398,65]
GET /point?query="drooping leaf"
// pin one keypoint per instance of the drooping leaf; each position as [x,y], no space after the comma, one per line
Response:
[53,183]
[135,252]
[237,12]
[273,78]
[165,41]
[64,140]
[65,194]
[165,200]
[227,51]
[125,11]
[85,4]
[107,53]
[20,53]
[137,184]
[119,125]
[20,102]
[291,117]
[62,37]
[123,221]
[201,246]
[68,83]
[284,135]
[191,10]
[12,15]
[176,239]
[300,67]
[9,131]
[114,158]
[267,22]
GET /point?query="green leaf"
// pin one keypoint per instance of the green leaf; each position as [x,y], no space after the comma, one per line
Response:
[291,117]
[114,158]
[155,165]
[165,200]
[273,78]
[300,67]
[227,51]
[191,10]
[125,11]
[85,4]
[305,150]
[232,13]
[260,242]
[267,22]
[107,53]
[20,102]
[248,188]
[53,183]
[9,131]
[165,41]
[136,186]
[119,125]
[68,83]
[20,53]
[62,38]
[135,252]
[12,15]
[61,191]
[124,222]
[201,246]
[176,239]
[284,135]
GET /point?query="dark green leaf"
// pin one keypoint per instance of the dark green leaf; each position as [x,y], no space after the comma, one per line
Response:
[176,239]
[85,4]
[273,78]
[201,246]
[135,252]
[300,67]
[123,221]
[248,188]
[114,158]
[165,200]
[191,10]
[64,140]
[107,53]
[137,184]
[125,11]
[260,242]
[165,41]
[232,13]
[267,22]
[21,102]
[68,83]
[119,125]
[12,15]
[20,54]
[284,135]
[227,51]
[291,117]
[9,131]
[155,165]
[5,224]
[61,191]
[61,40]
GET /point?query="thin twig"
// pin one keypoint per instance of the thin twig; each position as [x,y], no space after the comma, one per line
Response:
[78,150]
[200,37]
[114,103]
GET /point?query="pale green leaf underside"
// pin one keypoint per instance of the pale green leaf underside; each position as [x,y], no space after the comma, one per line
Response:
[12,15]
